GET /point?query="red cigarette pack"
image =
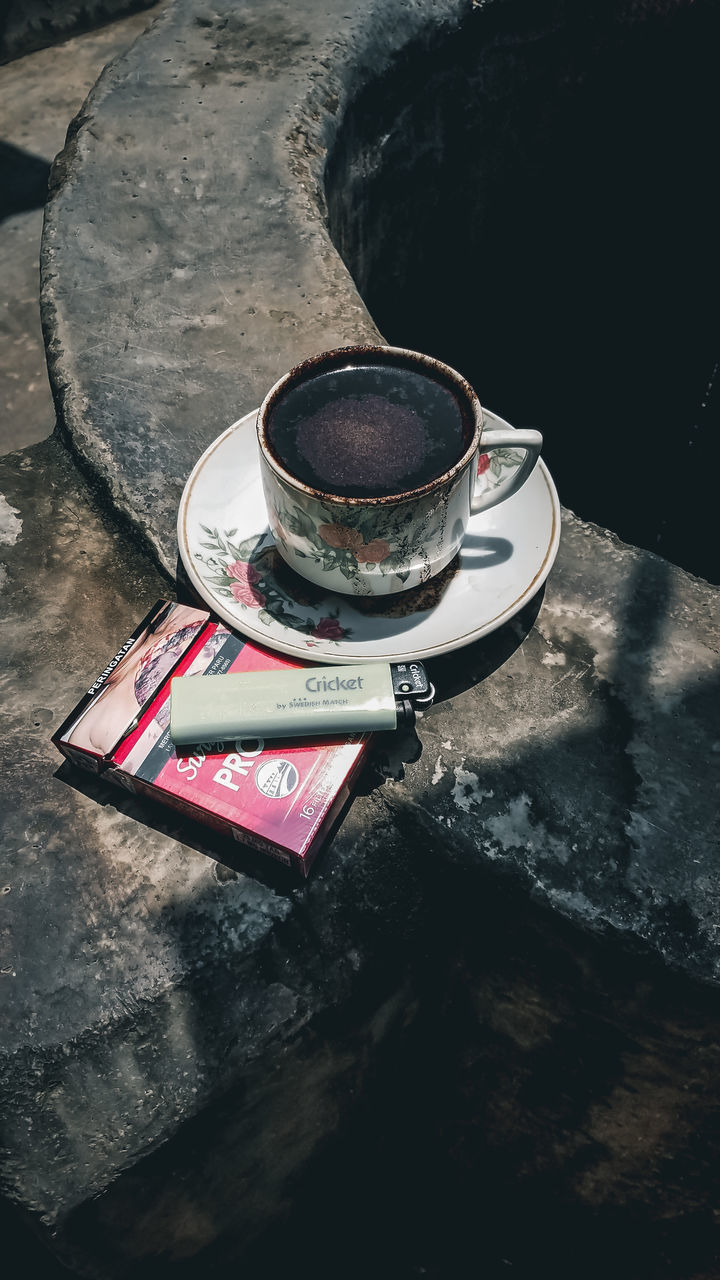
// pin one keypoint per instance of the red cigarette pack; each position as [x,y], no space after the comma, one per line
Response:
[112,705]
[280,797]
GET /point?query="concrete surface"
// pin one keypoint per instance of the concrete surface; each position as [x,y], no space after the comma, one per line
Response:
[32,24]
[491,1019]
[39,95]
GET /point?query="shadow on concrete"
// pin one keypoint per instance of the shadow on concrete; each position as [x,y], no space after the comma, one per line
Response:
[24,1254]
[556,243]
[28,25]
[452,673]
[554,1107]
[231,858]
[551,1101]
[23,181]
[511,1130]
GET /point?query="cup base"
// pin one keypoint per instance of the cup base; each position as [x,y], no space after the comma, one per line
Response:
[365,583]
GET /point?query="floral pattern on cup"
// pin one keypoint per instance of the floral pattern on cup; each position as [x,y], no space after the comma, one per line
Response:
[243,572]
[311,531]
[350,546]
[497,462]
[341,537]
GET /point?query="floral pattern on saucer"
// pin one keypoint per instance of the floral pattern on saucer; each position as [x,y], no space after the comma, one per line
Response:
[245,572]
[232,563]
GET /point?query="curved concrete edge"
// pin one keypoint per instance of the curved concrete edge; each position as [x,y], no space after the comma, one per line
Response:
[165,1017]
[189,201]
[203,150]
[34,24]
[568,757]
[140,979]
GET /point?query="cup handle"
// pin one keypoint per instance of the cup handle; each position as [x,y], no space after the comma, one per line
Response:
[507,438]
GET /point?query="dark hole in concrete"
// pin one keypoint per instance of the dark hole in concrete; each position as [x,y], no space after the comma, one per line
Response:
[533,199]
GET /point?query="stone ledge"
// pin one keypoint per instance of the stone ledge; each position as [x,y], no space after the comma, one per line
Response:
[149,989]
[219,119]
[562,792]
[115,911]
[214,278]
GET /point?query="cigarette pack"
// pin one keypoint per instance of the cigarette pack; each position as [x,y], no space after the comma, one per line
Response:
[279,796]
[113,704]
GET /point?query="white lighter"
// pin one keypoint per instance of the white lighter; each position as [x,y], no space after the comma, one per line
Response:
[297,702]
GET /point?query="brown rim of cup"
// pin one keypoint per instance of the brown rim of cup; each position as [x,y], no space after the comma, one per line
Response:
[325,362]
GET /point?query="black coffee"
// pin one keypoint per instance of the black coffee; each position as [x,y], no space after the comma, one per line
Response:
[368,431]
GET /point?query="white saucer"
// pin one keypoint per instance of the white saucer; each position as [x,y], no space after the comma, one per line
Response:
[507,555]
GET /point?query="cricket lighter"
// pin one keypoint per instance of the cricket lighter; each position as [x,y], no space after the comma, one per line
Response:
[297,703]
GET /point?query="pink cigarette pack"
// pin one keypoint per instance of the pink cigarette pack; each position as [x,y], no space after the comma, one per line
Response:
[281,797]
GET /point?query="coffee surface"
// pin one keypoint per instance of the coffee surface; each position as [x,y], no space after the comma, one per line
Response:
[367,431]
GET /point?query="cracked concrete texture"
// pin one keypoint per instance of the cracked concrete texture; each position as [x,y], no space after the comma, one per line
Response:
[216,273]
[113,911]
[565,765]
[609,712]
[196,129]
[39,95]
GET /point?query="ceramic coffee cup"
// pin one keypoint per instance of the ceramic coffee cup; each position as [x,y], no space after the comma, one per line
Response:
[369,459]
